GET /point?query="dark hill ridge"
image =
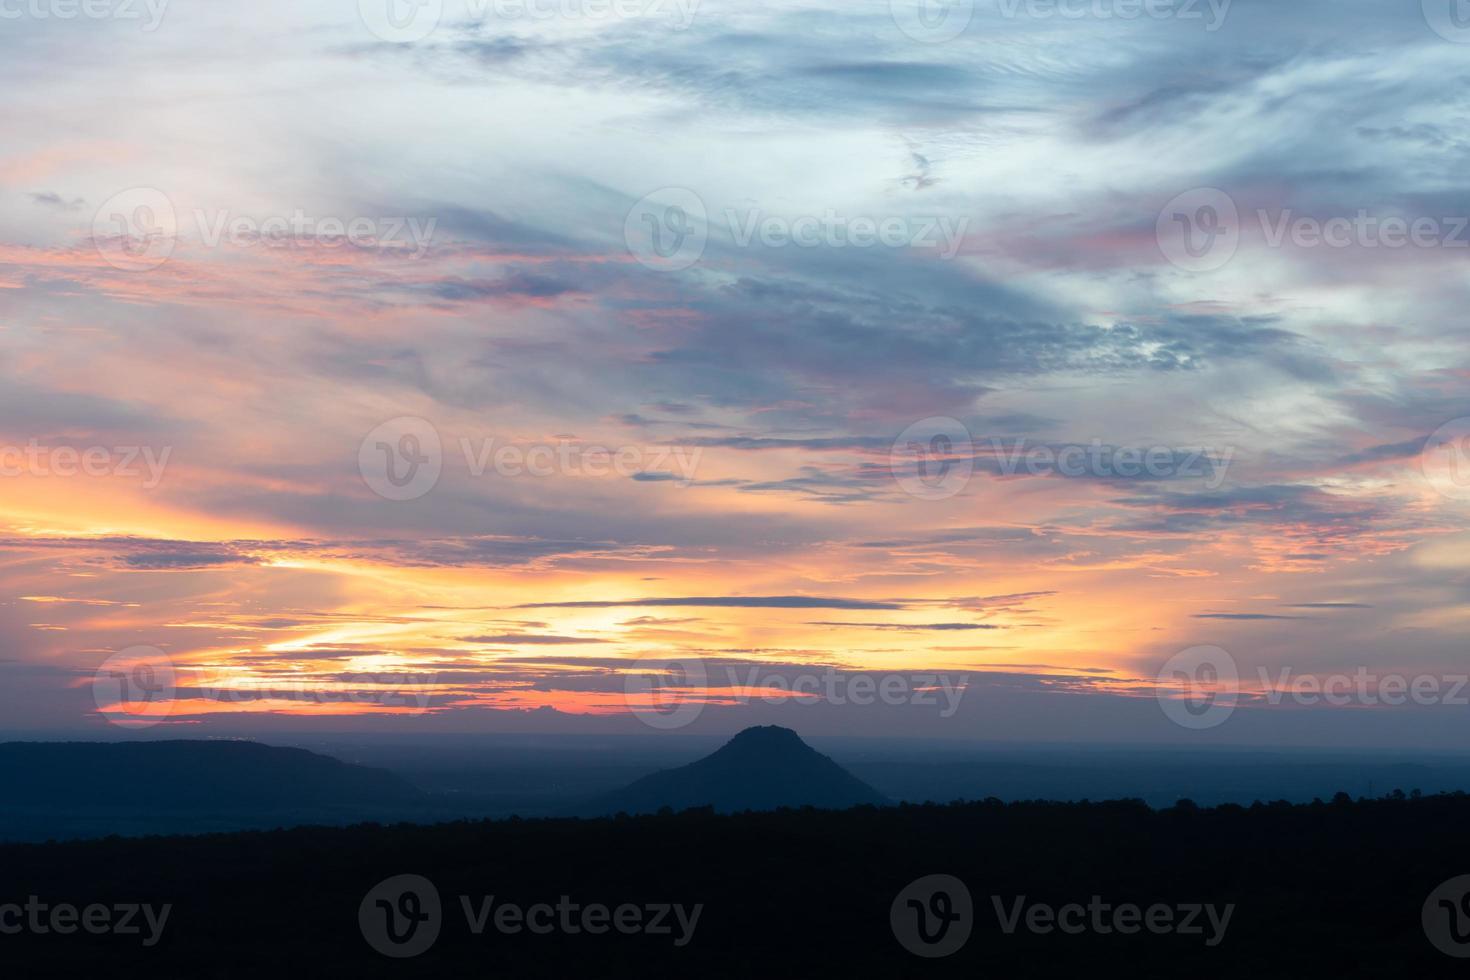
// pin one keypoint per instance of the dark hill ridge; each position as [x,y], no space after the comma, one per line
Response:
[761,768]
[183,775]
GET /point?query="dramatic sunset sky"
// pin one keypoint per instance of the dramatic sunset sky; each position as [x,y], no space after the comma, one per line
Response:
[234,388]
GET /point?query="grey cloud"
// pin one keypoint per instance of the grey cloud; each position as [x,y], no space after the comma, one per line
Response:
[51,199]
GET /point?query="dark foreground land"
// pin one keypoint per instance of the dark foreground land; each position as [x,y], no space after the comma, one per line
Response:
[1335,889]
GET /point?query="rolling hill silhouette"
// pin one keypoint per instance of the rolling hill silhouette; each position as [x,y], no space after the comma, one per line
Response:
[761,768]
[187,775]
[91,789]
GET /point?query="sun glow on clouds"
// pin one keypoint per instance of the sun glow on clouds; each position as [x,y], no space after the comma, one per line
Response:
[231,387]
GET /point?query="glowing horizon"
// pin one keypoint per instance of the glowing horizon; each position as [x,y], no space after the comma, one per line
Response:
[446,382]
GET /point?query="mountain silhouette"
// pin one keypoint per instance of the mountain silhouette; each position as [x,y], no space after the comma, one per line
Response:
[186,775]
[761,768]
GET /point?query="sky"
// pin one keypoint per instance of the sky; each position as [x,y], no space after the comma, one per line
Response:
[992,369]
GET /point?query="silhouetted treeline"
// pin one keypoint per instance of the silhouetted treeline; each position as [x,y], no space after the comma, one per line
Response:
[1329,889]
